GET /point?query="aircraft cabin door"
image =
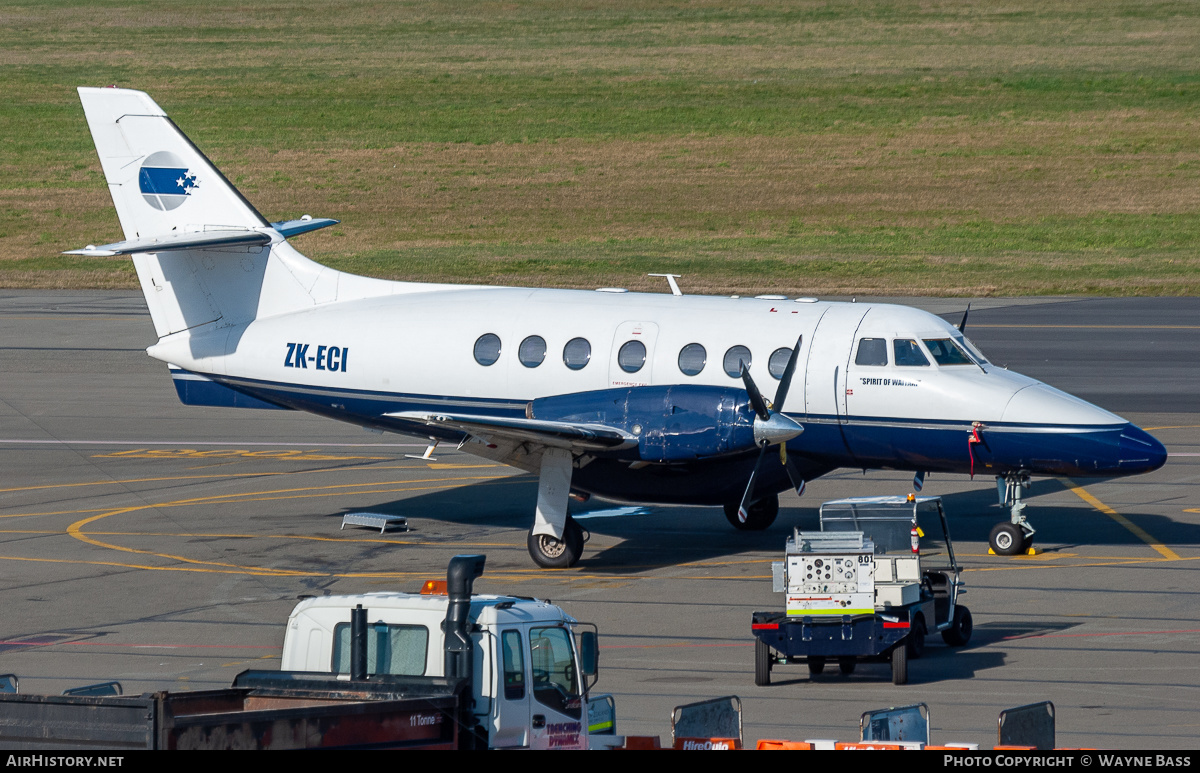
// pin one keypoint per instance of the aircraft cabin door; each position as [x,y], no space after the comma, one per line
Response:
[631,362]
[829,350]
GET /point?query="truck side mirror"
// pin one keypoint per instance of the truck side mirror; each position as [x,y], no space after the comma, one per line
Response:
[589,653]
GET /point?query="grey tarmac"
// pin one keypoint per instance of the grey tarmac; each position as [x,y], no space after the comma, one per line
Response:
[163,545]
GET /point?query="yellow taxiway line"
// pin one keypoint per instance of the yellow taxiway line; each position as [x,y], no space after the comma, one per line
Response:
[1133,528]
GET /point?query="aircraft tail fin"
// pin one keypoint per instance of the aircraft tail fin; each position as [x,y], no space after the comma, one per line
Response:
[205,257]
[160,182]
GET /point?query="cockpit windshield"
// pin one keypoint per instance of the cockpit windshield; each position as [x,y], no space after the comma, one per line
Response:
[946,352]
[972,350]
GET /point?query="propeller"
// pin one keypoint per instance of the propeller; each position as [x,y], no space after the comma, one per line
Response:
[962,326]
[771,427]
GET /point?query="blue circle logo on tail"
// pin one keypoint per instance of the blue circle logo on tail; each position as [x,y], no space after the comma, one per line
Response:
[165,181]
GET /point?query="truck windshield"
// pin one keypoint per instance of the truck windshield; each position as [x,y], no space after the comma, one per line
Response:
[555,681]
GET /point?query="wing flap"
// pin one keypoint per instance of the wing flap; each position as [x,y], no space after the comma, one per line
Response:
[558,434]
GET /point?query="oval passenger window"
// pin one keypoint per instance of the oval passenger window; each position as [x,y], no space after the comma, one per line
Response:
[532,351]
[632,356]
[577,353]
[487,349]
[778,362]
[692,359]
[734,359]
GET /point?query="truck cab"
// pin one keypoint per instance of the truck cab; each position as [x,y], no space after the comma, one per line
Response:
[528,682]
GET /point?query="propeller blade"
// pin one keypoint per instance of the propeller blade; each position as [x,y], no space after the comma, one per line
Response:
[919,481]
[798,482]
[962,326]
[756,398]
[748,497]
[785,383]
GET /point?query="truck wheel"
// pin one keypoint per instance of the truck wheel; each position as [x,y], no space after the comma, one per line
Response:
[550,553]
[816,665]
[847,664]
[959,632]
[1006,539]
[762,663]
[915,643]
[900,665]
[761,514]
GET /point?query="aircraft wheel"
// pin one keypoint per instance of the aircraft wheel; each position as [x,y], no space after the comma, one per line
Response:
[1006,539]
[846,665]
[816,665]
[550,553]
[762,663]
[959,632]
[900,665]
[915,643]
[761,515]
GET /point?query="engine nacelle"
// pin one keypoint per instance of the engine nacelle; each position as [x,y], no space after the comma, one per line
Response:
[672,423]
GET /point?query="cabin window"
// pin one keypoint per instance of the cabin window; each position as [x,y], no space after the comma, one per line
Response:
[778,362]
[734,359]
[577,353]
[391,649]
[908,353]
[871,351]
[487,349]
[532,351]
[632,356]
[946,352]
[514,665]
[692,359]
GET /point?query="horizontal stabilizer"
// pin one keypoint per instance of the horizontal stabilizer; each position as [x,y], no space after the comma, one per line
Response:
[178,241]
[290,228]
[558,434]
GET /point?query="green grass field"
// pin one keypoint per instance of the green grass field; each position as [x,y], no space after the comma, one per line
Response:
[965,148]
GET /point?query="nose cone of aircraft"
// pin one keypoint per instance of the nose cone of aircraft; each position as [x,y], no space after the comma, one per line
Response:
[1139,451]
[1077,438]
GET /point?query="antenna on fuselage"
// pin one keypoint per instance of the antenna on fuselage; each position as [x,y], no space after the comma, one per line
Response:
[671,281]
[962,326]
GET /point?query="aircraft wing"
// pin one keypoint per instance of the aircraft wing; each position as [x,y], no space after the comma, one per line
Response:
[558,434]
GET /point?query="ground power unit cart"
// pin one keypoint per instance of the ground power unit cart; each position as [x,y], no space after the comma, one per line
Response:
[877,577]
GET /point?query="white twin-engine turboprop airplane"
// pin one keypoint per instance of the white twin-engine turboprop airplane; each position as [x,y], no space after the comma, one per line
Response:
[628,396]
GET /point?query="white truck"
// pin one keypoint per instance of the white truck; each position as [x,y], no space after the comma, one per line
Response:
[523,681]
[438,670]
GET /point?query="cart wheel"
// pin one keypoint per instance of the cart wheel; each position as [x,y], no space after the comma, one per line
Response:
[915,643]
[816,665]
[762,663]
[900,665]
[959,632]
[1006,539]
[847,665]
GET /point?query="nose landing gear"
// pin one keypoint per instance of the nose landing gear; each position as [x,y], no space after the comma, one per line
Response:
[1016,536]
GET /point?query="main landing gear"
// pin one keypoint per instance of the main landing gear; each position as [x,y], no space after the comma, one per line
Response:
[759,515]
[556,539]
[1016,536]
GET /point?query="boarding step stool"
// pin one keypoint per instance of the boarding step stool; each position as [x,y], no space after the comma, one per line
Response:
[379,521]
